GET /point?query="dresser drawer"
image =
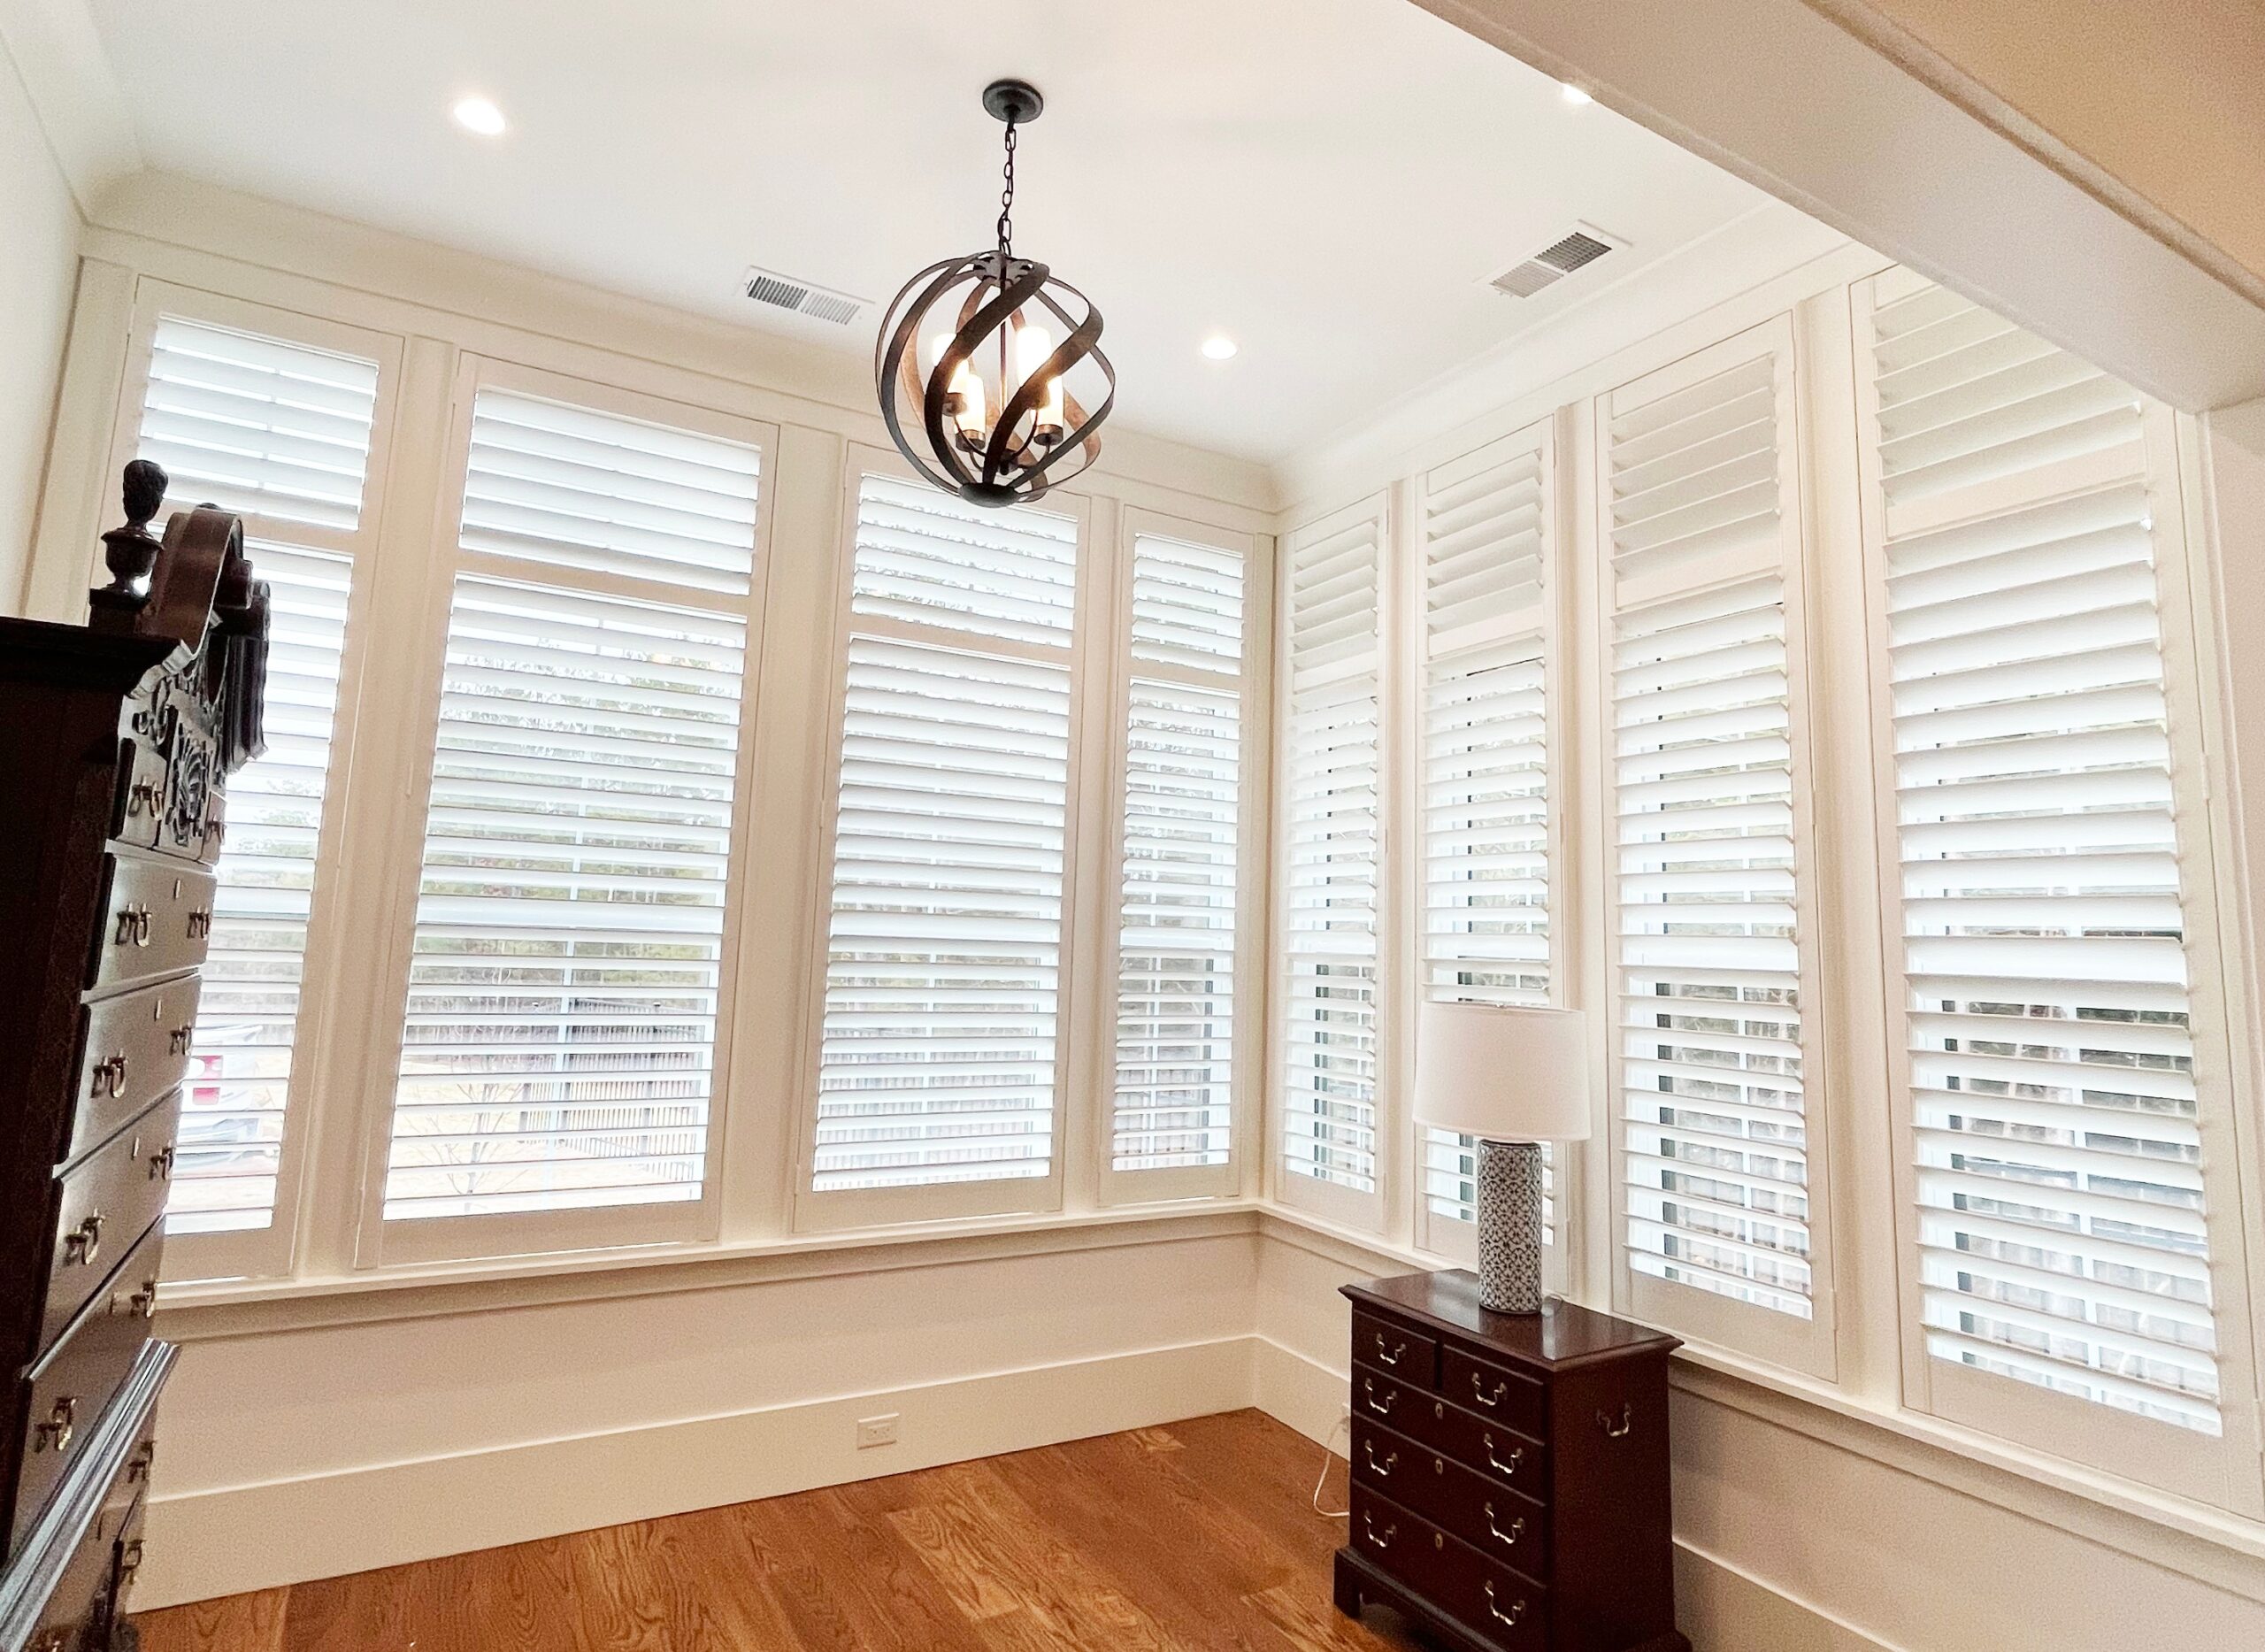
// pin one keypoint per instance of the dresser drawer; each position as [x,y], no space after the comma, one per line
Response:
[1510,1397]
[157,920]
[108,1199]
[68,1390]
[78,1611]
[133,1050]
[1509,1610]
[1499,1523]
[1502,1455]
[1391,1346]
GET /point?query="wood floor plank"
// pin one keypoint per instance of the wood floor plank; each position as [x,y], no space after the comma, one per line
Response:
[1195,1537]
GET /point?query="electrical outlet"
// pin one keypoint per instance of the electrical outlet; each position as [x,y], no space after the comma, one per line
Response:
[877,1431]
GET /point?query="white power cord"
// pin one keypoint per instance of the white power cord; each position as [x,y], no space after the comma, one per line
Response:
[1345,1422]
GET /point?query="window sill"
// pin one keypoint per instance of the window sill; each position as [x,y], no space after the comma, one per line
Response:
[196,1310]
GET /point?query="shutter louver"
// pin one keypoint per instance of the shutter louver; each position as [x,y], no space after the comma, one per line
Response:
[1485,526]
[1713,1128]
[938,1049]
[1329,1119]
[240,1066]
[260,426]
[2060,1176]
[1177,929]
[558,1046]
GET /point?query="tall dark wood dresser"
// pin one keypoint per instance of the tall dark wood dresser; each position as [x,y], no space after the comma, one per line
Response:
[114,739]
[1509,1473]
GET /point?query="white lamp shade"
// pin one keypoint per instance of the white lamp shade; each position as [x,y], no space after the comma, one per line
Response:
[1502,1073]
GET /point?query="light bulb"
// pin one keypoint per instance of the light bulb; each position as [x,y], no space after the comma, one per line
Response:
[969,388]
[479,115]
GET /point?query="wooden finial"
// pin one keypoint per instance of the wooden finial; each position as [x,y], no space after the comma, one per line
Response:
[131,552]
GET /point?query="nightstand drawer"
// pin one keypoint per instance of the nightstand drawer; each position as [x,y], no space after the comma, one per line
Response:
[108,1201]
[1509,1610]
[1501,1524]
[1508,1397]
[1406,1353]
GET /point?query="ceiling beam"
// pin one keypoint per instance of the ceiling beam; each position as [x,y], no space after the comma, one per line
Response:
[1789,99]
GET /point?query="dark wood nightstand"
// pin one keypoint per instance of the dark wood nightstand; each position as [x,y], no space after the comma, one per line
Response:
[1509,1471]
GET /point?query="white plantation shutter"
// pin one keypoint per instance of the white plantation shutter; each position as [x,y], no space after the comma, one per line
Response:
[1487,526]
[558,1046]
[262,426]
[1706,771]
[2055,1118]
[1329,1104]
[937,1053]
[247,1023]
[1174,1106]
[280,432]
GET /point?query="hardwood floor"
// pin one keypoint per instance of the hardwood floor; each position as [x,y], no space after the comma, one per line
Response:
[1198,1535]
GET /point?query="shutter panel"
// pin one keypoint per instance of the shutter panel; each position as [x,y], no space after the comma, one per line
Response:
[1486,526]
[247,1023]
[2061,1220]
[1714,1133]
[1329,1115]
[280,432]
[260,426]
[937,1053]
[1177,913]
[558,1045]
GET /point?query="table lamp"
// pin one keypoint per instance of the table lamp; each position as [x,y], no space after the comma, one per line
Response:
[1513,1077]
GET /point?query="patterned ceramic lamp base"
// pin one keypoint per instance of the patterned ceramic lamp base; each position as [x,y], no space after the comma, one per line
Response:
[1509,1227]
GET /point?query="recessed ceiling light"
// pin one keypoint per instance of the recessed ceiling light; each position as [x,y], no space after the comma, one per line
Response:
[477,114]
[1219,347]
[1574,94]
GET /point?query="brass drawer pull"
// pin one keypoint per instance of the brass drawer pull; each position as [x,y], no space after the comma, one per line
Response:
[108,1077]
[1621,1429]
[1478,1388]
[200,923]
[1370,1525]
[177,1041]
[61,1426]
[1517,1455]
[144,1301]
[83,1242]
[161,1165]
[1510,1538]
[139,1468]
[1514,1615]
[129,1562]
[132,928]
[1368,1389]
[1384,1469]
[147,797]
[1392,1358]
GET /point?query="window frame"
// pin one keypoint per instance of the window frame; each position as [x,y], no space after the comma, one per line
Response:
[2223,1470]
[1810,1346]
[273,1251]
[380,1243]
[1248,1014]
[834,1210]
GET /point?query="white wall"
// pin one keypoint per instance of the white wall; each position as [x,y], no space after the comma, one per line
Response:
[39,266]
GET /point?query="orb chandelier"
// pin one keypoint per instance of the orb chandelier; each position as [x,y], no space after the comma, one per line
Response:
[987,364]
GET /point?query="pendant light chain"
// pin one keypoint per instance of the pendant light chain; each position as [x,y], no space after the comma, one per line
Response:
[1007,199]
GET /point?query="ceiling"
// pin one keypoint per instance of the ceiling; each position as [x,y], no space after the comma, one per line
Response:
[1329,182]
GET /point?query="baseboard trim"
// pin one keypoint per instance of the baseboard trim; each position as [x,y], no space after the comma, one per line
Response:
[231,1539]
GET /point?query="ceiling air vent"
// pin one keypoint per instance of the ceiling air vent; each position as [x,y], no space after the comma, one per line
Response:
[804,298]
[1553,263]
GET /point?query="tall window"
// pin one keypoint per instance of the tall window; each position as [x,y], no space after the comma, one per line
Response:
[1708,799]
[1176,909]
[2060,1107]
[938,1057]
[1488,581]
[1328,874]
[281,433]
[559,1051]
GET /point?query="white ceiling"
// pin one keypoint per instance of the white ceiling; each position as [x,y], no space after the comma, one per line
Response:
[1331,182]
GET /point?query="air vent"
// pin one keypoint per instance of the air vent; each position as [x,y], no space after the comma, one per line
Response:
[1553,263]
[804,298]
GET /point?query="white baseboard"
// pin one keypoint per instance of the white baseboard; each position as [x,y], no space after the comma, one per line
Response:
[232,1538]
